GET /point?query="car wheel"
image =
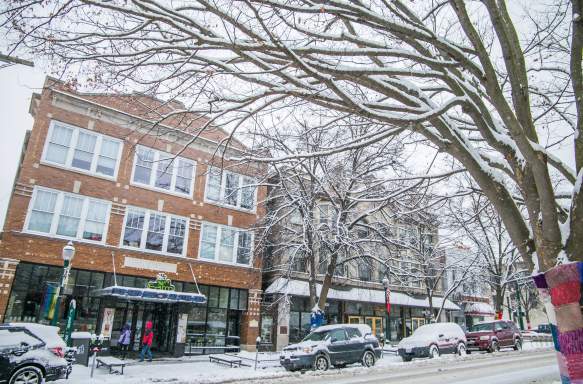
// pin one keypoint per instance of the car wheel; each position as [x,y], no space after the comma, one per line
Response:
[494,347]
[406,358]
[368,359]
[517,345]
[461,349]
[433,351]
[321,363]
[27,375]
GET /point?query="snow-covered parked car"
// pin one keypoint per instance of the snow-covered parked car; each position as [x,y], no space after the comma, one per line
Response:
[336,345]
[432,340]
[31,353]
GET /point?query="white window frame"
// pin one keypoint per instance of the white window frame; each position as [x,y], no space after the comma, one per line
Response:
[72,145]
[218,245]
[57,214]
[221,201]
[161,155]
[142,247]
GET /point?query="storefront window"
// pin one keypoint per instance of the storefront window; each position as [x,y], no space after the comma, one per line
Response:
[216,327]
[224,298]
[26,299]
[266,328]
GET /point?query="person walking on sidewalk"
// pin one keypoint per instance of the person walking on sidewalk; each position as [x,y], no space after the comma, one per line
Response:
[124,340]
[147,342]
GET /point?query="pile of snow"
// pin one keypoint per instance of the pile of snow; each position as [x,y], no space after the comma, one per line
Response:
[47,333]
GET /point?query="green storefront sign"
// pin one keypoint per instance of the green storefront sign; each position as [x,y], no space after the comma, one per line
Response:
[162,283]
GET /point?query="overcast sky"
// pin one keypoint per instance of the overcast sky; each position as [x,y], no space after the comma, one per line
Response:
[17,84]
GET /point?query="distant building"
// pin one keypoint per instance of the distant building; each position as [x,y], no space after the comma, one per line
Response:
[137,199]
[473,295]
[357,294]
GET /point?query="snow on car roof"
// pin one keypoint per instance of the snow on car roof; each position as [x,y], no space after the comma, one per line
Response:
[363,328]
[49,334]
[15,339]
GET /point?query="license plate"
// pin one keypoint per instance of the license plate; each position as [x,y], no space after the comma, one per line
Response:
[408,350]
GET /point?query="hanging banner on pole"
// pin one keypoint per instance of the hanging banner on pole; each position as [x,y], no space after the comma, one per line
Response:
[388,300]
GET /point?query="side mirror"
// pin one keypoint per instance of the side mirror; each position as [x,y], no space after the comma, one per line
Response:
[334,340]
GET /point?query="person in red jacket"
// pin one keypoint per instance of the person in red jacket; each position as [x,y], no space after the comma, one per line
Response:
[147,342]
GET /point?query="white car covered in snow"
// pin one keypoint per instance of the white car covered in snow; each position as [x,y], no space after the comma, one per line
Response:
[432,340]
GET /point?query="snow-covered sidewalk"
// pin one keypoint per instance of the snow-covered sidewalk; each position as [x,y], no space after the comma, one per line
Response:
[198,370]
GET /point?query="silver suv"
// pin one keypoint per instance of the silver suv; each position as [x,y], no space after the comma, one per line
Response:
[333,345]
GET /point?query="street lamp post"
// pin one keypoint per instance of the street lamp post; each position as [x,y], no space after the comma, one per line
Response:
[67,254]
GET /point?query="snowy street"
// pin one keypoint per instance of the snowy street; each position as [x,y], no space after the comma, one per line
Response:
[506,367]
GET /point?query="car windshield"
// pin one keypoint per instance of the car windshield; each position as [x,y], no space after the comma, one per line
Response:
[317,336]
[481,327]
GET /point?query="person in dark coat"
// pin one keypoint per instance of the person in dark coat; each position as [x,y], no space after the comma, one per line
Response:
[147,342]
[124,340]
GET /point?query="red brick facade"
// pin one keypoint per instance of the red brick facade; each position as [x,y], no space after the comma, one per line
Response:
[120,118]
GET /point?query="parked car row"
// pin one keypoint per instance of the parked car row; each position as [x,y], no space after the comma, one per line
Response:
[32,354]
[342,344]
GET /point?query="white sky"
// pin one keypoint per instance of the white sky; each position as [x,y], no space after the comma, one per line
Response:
[17,84]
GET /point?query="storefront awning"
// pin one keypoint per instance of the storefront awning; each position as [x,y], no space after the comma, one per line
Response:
[149,294]
[478,309]
[300,288]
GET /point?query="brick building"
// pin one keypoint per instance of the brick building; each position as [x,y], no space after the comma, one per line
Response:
[137,199]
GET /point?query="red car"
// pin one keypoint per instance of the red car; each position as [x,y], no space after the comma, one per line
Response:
[493,335]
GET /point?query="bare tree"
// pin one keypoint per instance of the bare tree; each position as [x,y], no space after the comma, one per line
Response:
[462,76]
[482,228]
[322,208]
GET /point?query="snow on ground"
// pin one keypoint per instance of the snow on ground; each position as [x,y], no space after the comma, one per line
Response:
[198,370]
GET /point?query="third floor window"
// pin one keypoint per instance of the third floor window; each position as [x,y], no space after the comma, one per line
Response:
[79,149]
[163,171]
[230,189]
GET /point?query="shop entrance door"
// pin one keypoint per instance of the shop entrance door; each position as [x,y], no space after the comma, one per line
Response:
[164,321]
[417,322]
[376,324]
[354,319]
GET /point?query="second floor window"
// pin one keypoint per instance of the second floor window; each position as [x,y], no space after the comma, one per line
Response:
[68,215]
[230,189]
[154,231]
[82,150]
[225,244]
[163,171]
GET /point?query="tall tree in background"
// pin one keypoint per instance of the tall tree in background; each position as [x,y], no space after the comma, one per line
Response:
[494,97]
[482,228]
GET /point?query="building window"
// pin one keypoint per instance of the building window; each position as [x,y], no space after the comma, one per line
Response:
[225,244]
[76,148]
[364,271]
[67,215]
[231,189]
[154,231]
[163,171]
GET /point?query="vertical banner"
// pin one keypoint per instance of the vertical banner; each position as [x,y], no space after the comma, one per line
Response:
[48,301]
[107,322]
[70,321]
[388,300]
[181,330]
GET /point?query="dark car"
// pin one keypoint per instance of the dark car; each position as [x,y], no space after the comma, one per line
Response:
[493,335]
[336,345]
[25,357]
